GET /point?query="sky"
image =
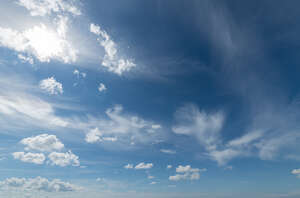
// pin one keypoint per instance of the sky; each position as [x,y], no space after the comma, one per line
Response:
[154,99]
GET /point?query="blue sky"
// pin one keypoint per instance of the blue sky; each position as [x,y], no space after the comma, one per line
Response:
[149,99]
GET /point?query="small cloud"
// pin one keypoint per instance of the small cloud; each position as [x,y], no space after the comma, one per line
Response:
[63,159]
[128,166]
[51,86]
[101,87]
[143,165]
[150,177]
[152,183]
[35,158]
[296,172]
[169,166]
[187,173]
[167,151]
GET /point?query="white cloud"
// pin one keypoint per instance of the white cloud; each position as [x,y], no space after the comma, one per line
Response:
[43,142]
[41,42]
[169,166]
[79,74]
[26,59]
[37,184]
[51,86]
[96,136]
[122,127]
[150,177]
[47,7]
[205,127]
[31,110]
[167,151]
[152,183]
[143,165]
[186,173]
[128,166]
[296,172]
[111,59]
[36,158]
[101,87]
[63,159]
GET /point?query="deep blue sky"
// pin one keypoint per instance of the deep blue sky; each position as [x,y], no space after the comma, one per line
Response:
[149,98]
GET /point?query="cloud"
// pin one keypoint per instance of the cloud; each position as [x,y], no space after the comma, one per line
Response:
[51,86]
[43,142]
[169,166]
[142,165]
[25,59]
[47,7]
[101,87]
[42,42]
[167,151]
[150,177]
[186,173]
[38,184]
[120,127]
[111,59]
[128,166]
[79,74]
[35,158]
[63,159]
[96,136]
[296,172]
[205,127]
[152,183]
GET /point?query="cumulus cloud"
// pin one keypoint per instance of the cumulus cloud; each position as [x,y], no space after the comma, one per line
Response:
[296,172]
[111,59]
[63,159]
[42,42]
[168,151]
[35,158]
[143,165]
[101,87]
[51,86]
[43,142]
[47,7]
[37,184]
[186,173]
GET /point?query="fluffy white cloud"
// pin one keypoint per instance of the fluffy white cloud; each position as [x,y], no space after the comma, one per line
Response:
[296,172]
[43,142]
[63,159]
[168,151]
[169,166]
[111,59]
[37,184]
[41,42]
[186,173]
[128,166]
[101,87]
[47,7]
[143,165]
[36,158]
[51,86]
